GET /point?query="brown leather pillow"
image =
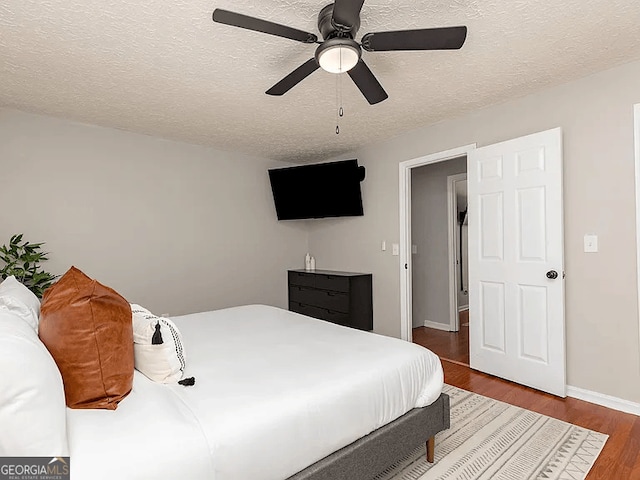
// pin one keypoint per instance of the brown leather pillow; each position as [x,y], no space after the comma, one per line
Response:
[87,328]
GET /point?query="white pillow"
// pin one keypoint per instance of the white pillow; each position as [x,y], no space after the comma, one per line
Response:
[18,299]
[33,414]
[163,362]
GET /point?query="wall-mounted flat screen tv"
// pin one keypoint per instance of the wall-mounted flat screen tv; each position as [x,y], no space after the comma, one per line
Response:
[318,190]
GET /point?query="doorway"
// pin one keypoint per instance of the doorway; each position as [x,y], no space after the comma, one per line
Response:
[439,273]
[405,168]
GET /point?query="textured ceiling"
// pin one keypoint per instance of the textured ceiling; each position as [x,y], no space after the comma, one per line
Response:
[165,69]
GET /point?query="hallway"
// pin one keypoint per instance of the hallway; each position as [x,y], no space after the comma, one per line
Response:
[451,346]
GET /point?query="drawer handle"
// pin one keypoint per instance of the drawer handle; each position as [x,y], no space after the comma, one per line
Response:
[331,294]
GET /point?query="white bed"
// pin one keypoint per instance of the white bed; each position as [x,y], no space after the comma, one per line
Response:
[275,392]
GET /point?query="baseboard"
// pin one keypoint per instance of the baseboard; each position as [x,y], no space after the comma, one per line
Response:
[605,400]
[436,325]
[462,308]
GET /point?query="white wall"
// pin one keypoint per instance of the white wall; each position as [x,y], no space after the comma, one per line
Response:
[429,232]
[175,227]
[596,115]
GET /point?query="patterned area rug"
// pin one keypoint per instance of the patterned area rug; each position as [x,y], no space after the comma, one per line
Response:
[493,440]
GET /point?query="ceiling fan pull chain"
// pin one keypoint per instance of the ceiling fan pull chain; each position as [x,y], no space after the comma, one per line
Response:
[340,110]
[338,107]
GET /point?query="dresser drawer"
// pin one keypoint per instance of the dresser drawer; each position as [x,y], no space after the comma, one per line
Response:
[320,313]
[332,282]
[303,279]
[330,300]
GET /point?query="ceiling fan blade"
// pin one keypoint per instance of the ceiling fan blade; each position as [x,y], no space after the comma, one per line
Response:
[367,83]
[258,25]
[346,13]
[447,38]
[295,77]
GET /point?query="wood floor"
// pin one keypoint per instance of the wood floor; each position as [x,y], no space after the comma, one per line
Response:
[454,346]
[620,458]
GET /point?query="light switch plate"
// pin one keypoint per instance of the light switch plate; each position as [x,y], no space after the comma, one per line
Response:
[590,243]
[395,249]
[414,249]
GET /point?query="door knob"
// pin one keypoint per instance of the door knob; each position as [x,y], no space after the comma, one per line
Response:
[552,274]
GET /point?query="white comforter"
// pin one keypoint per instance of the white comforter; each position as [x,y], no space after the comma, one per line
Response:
[275,391]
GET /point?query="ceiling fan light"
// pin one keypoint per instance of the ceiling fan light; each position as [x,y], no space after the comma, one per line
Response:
[338,59]
[338,55]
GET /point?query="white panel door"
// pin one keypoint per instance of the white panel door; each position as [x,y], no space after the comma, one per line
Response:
[516,264]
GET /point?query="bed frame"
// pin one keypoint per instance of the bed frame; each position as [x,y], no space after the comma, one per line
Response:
[371,454]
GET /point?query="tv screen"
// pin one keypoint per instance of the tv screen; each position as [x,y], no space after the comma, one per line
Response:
[318,190]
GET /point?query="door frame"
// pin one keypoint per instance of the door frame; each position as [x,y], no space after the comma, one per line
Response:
[452,228]
[636,141]
[405,167]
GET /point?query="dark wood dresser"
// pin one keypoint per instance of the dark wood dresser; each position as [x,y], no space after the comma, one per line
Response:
[344,298]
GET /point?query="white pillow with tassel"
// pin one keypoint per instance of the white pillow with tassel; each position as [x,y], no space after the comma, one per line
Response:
[157,346]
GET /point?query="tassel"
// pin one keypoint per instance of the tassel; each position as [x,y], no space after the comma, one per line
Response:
[157,336]
[188,382]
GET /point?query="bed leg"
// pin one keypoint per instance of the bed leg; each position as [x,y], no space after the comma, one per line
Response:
[431,446]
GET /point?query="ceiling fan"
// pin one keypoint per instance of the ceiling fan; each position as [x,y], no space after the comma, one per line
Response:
[338,24]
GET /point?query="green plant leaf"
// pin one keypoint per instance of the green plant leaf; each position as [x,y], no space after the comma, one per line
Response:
[22,260]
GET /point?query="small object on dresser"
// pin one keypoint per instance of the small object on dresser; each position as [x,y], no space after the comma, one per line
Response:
[307,261]
[312,264]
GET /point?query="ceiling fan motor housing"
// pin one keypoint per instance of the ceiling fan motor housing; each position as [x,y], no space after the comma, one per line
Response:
[329,30]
